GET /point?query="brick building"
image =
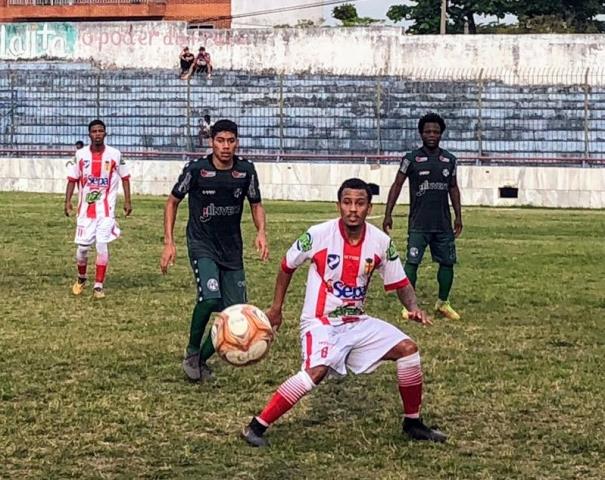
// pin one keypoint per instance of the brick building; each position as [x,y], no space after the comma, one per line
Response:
[207,13]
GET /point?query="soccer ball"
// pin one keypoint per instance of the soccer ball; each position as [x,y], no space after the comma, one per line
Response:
[242,334]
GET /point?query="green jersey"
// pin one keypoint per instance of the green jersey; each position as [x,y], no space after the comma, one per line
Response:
[430,177]
[216,201]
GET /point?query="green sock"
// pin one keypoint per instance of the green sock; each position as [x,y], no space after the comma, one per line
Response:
[411,271]
[207,349]
[199,320]
[445,278]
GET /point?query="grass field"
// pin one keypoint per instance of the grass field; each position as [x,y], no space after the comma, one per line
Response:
[93,389]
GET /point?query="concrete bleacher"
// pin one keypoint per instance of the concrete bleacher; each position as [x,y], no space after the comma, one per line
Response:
[49,105]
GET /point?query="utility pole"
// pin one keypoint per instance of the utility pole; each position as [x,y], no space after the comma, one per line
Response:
[443,17]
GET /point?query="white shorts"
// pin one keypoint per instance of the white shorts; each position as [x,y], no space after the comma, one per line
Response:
[357,346]
[89,230]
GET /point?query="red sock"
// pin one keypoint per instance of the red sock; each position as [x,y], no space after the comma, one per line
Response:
[288,393]
[102,261]
[409,378]
[82,270]
[100,273]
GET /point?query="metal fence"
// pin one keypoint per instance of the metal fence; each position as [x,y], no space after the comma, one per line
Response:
[533,115]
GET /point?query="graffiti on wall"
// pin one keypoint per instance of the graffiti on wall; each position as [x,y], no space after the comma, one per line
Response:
[34,40]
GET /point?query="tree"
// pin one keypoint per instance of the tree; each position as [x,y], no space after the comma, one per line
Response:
[347,14]
[426,14]
[536,16]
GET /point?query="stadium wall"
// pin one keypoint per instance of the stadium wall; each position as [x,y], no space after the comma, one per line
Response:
[537,186]
[335,51]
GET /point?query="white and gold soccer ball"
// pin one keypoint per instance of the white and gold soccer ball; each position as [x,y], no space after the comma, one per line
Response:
[242,334]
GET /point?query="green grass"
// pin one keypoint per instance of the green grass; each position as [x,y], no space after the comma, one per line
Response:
[94,389]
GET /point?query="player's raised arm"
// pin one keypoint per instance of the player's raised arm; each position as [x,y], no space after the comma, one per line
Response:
[169,251]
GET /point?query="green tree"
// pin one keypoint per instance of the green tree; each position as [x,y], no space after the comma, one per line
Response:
[347,14]
[565,16]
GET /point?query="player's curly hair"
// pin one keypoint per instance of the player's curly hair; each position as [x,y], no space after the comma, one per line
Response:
[431,117]
[355,184]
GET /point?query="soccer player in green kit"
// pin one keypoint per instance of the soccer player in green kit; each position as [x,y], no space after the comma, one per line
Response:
[432,174]
[217,186]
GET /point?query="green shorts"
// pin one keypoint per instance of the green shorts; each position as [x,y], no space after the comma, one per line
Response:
[214,282]
[442,244]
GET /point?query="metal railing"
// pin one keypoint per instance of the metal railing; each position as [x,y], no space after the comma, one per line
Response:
[531,116]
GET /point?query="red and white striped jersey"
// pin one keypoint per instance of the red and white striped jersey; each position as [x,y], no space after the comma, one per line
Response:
[98,175]
[340,273]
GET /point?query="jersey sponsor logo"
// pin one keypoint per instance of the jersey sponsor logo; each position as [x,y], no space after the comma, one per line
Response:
[405,163]
[353,258]
[413,252]
[426,185]
[212,284]
[444,159]
[236,174]
[422,159]
[424,172]
[333,261]
[392,253]
[445,172]
[122,161]
[213,211]
[342,290]
[368,267]
[93,181]
[304,242]
[346,311]
[208,192]
[92,197]
[183,185]
[207,173]
[70,162]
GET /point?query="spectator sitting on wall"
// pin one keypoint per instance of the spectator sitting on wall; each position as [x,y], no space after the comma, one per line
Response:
[203,63]
[79,144]
[205,130]
[186,58]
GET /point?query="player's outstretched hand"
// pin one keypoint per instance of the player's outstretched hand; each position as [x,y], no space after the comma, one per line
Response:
[275,317]
[420,316]
[127,208]
[261,246]
[387,224]
[68,209]
[168,257]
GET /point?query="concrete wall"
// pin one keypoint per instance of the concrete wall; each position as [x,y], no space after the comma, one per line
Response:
[538,186]
[354,51]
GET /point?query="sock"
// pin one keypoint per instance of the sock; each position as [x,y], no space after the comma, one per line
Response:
[288,393]
[409,378]
[82,260]
[207,348]
[445,278]
[199,320]
[101,264]
[411,271]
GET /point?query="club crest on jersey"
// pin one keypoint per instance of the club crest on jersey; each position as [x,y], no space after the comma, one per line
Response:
[207,173]
[446,172]
[369,266]
[304,242]
[333,261]
[237,193]
[422,159]
[392,253]
[236,174]
[107,166]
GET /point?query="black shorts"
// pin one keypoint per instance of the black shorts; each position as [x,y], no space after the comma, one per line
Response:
[442,245]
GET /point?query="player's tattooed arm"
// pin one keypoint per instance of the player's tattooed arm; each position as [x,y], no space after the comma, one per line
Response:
[407,296]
